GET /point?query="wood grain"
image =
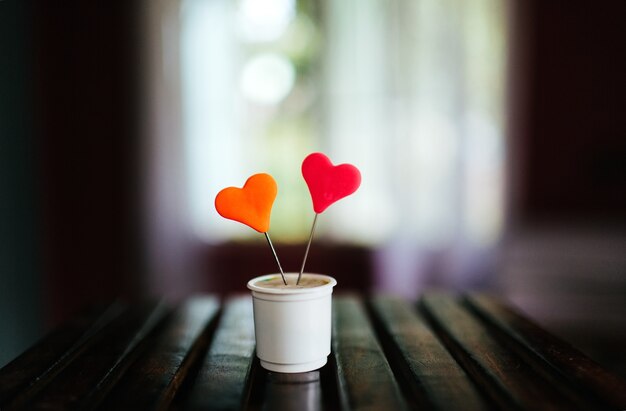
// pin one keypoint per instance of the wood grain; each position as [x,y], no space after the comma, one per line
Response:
[366,381]
[448,353]
[221,383]
[22,378]
[546,352]
[156,376]
[84,382]
[504,376]
[430,374]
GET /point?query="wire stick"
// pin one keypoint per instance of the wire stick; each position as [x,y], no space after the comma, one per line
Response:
[282,274]
[306,253]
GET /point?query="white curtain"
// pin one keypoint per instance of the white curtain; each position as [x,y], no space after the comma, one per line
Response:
[412,92]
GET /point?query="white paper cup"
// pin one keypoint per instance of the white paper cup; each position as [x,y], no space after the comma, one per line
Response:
[292,326]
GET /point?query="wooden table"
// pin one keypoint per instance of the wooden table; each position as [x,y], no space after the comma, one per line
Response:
[445,352]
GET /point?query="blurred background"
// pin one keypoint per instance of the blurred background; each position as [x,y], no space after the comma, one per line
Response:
[491,137]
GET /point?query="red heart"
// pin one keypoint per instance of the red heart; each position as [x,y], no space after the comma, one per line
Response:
[250,205]
[328,183]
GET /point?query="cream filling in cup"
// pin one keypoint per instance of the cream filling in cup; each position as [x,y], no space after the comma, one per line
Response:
[292,324]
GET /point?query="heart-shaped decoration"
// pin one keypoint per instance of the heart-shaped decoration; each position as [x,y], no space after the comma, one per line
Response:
[250,205]
[328,183]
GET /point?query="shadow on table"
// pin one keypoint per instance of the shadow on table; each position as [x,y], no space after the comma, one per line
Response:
[307,391]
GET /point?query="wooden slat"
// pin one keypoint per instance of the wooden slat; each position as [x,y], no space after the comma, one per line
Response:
[552,353]
[84,382]
[503,375]
[432,377]
[155,377]
[474,353]
[366,381]
[221,383]
[34,369]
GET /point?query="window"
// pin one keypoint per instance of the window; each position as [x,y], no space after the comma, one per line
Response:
[409,91]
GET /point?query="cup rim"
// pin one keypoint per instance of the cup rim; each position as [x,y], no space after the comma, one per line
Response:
[293,276]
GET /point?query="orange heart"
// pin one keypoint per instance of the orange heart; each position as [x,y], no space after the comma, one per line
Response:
[250,205]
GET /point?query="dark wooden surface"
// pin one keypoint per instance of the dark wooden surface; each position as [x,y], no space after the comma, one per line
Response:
[443,352]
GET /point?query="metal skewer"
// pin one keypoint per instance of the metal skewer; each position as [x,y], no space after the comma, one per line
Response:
[282,274]
[306,253]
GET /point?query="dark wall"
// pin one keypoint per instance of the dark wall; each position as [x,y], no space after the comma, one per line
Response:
[20,264]
[564,259]
[69,192]
[86,72]
[575,146]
